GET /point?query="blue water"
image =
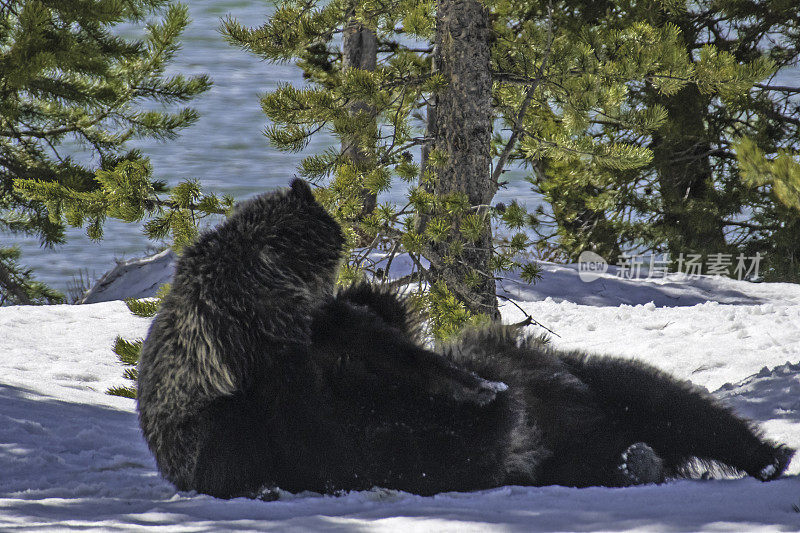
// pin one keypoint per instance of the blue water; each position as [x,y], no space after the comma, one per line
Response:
[225,150]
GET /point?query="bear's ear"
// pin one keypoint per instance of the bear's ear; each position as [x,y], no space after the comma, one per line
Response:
[301,190]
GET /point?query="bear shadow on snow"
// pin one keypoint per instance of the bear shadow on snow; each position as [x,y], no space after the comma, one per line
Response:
[257,374]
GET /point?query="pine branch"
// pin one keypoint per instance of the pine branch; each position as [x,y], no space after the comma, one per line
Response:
[11,288]
[523,110]
[748,225]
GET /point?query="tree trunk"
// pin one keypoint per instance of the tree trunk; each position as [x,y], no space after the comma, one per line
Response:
[463,129]
[359,50]
[691,217]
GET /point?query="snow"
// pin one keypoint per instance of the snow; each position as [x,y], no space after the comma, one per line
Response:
[72,457]
[139,277]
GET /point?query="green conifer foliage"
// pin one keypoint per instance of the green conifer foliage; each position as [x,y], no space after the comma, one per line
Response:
[774,226]
[72,92]
[128,351]
[128,354]
[128,192]
[690,196]
[556,76]
[19,287]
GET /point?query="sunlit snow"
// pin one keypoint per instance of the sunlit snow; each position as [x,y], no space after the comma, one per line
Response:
[72,457]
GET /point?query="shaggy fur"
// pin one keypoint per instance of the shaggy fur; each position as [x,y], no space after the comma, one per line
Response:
[616,422]
[256,375]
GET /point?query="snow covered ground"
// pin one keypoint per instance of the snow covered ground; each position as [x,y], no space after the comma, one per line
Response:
[72,457]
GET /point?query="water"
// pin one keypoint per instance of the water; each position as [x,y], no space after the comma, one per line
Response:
[225,150]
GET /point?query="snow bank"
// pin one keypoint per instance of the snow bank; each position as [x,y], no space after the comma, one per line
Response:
[72,457]
[140,277]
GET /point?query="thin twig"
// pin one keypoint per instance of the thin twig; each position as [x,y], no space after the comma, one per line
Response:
[523,110]
[527,316]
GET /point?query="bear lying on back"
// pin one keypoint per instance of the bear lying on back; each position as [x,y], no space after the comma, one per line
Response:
[255,374]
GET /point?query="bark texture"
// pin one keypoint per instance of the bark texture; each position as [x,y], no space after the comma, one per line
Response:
[359,50]
[462,128]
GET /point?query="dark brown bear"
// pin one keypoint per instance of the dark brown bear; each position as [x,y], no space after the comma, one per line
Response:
[256,375]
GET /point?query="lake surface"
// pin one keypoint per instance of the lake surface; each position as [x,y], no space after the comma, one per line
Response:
[225,150]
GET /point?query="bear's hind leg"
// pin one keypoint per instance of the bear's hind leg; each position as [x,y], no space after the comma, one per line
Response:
[640,464]
[605,462]
[678,420]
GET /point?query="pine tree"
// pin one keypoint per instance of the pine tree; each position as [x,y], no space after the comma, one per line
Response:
[774,226]
[462,131]
[563,73]
[547,78]
[72,92]
[360,51]
[690,197]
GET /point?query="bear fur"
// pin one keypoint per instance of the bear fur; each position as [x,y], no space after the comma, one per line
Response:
[255,375]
